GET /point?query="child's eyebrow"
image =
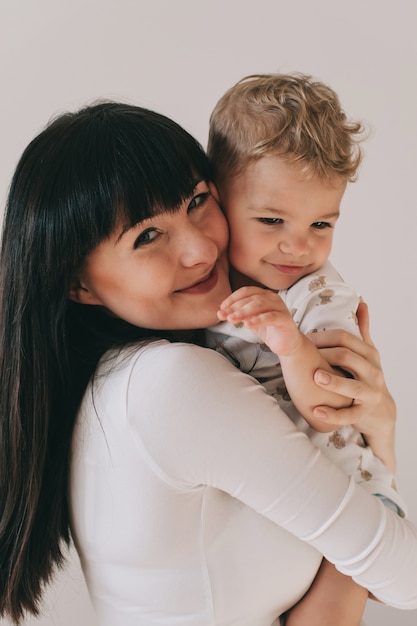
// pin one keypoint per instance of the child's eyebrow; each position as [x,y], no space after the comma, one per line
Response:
[329,216]
[262,208]
[283,213]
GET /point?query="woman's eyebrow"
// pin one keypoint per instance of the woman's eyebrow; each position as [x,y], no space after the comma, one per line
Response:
[128,226]
[196,183]
[124,230]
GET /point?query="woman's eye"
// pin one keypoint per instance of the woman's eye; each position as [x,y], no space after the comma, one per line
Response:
[198,200]
[270,221]
[321,225]
[146,237]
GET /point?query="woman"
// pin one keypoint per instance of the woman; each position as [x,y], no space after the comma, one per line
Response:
[192,500]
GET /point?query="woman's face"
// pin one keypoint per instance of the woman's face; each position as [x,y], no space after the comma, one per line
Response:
[168,272]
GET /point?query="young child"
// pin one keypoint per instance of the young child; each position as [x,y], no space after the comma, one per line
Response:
[283,152]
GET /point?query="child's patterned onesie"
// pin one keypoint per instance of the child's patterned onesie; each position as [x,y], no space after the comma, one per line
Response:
[319,301]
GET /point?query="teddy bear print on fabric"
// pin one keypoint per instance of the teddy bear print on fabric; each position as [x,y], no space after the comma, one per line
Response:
[326,296]
[317,283]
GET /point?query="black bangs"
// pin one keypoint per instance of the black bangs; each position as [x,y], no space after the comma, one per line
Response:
[145,162]
[156,163]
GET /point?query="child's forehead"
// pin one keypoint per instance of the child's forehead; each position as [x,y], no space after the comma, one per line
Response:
[273,184]
[287,168]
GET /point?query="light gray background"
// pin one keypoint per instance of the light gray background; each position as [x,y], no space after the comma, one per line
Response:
[178,57]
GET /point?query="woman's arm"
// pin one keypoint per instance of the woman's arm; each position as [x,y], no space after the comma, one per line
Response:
[335,599]
[201,422]
[373,411]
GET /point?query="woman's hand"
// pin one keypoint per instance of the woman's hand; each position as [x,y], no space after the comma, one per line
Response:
[373,410]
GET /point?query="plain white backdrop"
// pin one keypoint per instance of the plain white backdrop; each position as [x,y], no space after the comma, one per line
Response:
[178,57]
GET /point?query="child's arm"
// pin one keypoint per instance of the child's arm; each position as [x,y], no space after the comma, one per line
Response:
[333,600]
[265,313]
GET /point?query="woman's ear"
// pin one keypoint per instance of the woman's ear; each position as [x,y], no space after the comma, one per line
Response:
[80,293]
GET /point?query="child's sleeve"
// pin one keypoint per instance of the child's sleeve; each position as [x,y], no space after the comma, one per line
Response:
[323,301]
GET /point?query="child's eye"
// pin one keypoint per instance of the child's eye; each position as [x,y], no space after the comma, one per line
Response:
[146,237]
[198,200]
[321,225]
[271,221]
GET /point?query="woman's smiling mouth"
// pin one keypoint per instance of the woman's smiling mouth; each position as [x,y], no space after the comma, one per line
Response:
[204,285]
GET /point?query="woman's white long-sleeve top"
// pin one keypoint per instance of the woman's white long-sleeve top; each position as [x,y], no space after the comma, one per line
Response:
[195,501]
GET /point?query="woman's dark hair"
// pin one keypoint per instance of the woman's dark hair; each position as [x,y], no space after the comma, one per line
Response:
[74,181]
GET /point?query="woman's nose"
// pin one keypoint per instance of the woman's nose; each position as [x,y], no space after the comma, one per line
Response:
[196,247]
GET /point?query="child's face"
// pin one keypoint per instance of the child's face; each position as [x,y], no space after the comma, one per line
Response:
[281,224]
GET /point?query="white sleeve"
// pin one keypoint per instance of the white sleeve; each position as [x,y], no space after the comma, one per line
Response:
[322,301]
[199,420]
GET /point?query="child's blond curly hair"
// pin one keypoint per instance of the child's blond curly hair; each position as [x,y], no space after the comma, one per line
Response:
[288,115]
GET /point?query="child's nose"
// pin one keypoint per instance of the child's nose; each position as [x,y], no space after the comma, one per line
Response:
[295,245]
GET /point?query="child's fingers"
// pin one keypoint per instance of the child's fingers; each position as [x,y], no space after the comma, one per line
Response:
[241,307]
[262,298]
[238,310]
[242,294]
[269,318]
[249,308]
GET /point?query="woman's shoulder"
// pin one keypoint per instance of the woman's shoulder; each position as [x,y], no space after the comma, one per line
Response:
[159,356]
[177,358]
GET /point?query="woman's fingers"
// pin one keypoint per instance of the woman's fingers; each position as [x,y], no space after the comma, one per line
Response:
[340,344]
[360,367]
[372,409]
[362,313]
[339,417]
[347,387]
[337,337]
[364,347]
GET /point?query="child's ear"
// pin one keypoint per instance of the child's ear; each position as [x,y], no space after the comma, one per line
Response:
[80,293]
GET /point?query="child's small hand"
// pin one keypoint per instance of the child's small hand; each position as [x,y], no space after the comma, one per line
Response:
[264,312]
